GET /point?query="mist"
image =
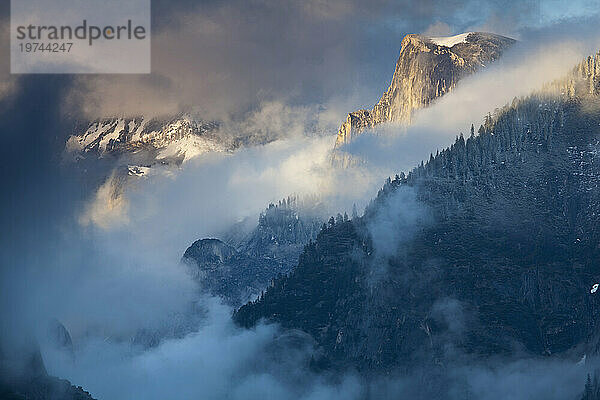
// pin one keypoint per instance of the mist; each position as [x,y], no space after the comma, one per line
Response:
[211,192]
[108,267]
[218,361]
[221,360]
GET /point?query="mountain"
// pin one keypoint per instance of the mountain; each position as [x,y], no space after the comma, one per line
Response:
[488,249]
[427,68]
[222,271]
[112,154]
[241,267]
[148,141]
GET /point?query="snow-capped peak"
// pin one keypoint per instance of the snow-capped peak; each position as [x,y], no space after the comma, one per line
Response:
[181,137]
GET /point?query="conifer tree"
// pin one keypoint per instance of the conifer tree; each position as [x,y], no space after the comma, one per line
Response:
[354,212]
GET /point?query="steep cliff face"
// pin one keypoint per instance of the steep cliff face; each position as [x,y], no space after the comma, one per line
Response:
[427,68]
[505,262]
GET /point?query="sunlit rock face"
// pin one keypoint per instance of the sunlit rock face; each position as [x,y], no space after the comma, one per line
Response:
[427,68]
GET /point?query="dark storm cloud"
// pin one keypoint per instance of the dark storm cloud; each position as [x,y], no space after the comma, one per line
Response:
[225,57]
[36,195]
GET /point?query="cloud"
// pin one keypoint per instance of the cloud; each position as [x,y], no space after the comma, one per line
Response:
[451,312]
[396,221]
[438,29]
[218,361]
[108,207]
[209,193]
[93,282]
[8,82]
[489,379]
[525,379]
[222,58]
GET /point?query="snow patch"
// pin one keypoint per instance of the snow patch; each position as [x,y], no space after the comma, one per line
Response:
[189,147]
[450,41]
[112,135]
[135,170]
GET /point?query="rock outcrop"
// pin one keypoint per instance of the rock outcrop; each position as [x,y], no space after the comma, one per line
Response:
[427,68]
[241,267]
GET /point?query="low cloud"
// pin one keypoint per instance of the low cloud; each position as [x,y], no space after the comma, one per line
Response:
[451,313]
[396,221]
[491,379]
[217,361]
[108,207]
[209,193]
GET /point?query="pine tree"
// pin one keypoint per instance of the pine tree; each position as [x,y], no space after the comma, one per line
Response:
[354,212]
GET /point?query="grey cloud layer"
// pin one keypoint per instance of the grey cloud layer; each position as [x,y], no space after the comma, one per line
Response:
[221,57]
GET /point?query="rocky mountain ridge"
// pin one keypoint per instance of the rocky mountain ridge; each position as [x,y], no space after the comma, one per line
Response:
[149,141]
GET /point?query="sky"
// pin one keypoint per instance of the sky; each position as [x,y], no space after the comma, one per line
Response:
[285,66]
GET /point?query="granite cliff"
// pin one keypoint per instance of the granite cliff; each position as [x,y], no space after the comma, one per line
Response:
[427,68]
